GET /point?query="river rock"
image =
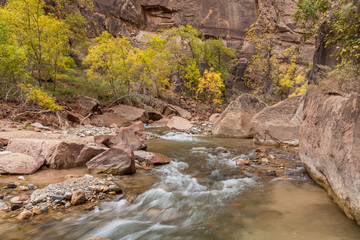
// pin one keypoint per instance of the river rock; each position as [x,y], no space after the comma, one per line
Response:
[132,113]
[118,160]
[178,111]
[179,123]
[3,142]
[87,153]
[213,118]
[54,153]
[87,105]
[134,135]
[160,123]
[235,121]
[18,163]
[151,158]
[78,197]
[108,119]
[153,114]
[330,146]
[24,215]
[279,124]
[64,155]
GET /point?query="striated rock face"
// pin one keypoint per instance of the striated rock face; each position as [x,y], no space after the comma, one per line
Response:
[235,121]
[330,146]
[279,124]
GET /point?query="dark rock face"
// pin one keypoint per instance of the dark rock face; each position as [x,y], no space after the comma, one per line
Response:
[330,146]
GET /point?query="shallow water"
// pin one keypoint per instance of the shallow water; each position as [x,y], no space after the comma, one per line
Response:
[202,194]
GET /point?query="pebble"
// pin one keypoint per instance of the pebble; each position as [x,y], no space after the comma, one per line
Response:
[11,185]
[25,215]
[56,197]
[68,195]
[36,211]
[22,188]
[3,206]
[44,209]
[260,150]
[31,186]
[242,162]
[16,206]
[21,178]
[265,160]
[24,198]
[78,197]
[271,173]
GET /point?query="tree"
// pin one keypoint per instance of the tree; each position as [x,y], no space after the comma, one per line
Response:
[12,56]
[341,16]
[155,66]
[292,80]
[112,62]
[218,56]
[262,72]
[44,37]
[210,87]
[270,78]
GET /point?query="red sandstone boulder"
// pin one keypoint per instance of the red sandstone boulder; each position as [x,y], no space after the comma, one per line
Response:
[178,111]
[151,158]
[279,124]
[118,160]
[108,119]
[133,135]
[132,113]
[235,121]
[87,153]
[160,123]
[87,105]
[179,123]
[54,153]
[18,163]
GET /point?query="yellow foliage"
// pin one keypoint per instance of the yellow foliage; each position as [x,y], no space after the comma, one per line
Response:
[40,97]
[210,87]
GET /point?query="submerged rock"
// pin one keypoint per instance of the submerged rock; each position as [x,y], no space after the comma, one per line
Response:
[279,124]
[151,158]
[235,121]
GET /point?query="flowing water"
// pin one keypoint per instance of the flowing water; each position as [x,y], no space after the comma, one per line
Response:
[202,194]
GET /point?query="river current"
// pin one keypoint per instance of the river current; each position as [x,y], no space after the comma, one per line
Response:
[202,194]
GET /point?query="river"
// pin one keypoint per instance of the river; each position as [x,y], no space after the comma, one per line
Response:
[202,194]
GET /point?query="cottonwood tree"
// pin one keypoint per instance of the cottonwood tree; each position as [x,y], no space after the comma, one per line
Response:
[112,61]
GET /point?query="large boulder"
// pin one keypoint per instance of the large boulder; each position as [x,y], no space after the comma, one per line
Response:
[134,135]
[54,153]
[279,124]
[88,152]
[330,146]
[108,119]
[132,113]
[18,163]
[87,105]
[118,160]
[153,114]
[178,123]
[235,121]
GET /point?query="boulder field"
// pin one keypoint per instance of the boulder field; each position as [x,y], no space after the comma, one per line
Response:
[330,146]
[108,153]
